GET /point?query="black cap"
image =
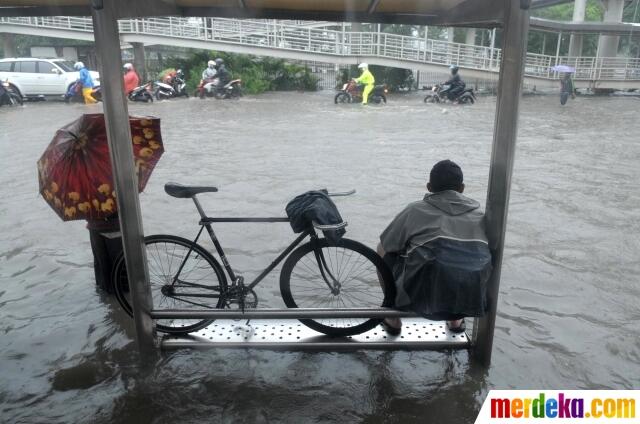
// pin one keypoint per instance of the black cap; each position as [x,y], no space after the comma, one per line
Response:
[445,175]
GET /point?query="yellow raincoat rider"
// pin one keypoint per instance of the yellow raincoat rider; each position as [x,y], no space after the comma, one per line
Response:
[367,79]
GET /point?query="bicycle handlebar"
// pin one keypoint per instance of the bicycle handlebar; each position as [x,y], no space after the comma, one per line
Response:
[342,193]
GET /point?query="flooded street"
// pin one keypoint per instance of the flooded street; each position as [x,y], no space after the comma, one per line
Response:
[568,307]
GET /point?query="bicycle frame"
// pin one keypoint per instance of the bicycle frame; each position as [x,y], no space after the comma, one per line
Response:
[205,222]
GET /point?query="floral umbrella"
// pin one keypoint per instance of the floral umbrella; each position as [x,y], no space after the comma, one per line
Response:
[75,169]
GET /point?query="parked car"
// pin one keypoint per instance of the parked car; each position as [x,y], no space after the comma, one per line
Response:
[40,78]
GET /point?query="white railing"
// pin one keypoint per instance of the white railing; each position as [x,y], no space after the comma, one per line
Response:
[311,37]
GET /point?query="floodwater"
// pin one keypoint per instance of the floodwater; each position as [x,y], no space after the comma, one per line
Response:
[568,308]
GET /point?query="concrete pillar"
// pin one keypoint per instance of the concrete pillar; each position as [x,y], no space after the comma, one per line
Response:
[450,34]
[470,37]
[139,61]
[608,44]
[575,44]
[8,45]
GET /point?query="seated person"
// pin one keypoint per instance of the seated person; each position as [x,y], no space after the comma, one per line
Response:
[438,253]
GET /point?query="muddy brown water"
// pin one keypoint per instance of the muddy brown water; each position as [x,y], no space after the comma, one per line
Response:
[568,308]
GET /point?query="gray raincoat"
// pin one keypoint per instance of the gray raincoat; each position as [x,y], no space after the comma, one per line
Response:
[440,256]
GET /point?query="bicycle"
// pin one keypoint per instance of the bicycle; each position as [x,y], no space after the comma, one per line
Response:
[316,274]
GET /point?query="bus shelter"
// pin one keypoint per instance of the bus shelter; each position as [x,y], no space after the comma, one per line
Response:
[510,15]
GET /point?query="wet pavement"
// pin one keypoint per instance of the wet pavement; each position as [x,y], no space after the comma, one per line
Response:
[569,294]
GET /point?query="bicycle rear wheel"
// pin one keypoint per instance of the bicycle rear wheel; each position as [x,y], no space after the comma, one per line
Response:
[352,267]
[182,274]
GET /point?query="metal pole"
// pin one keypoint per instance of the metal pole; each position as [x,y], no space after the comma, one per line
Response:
[105,28]
[493,45]
[514,47]
[558,47]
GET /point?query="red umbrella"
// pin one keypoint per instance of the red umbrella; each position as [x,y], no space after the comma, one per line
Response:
[75,169]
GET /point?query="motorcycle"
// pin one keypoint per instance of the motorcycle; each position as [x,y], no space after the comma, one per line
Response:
[173,85]
[439,94]
[74,93]
[142,93]
[351,92]
[211,88]
[9,95]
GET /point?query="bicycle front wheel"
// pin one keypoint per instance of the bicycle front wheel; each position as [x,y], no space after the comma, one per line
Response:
[182,275]
[320,274]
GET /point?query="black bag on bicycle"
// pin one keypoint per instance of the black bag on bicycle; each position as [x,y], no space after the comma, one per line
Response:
[315,206]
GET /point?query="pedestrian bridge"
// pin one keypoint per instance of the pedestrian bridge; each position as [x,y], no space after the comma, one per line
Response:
[322,42]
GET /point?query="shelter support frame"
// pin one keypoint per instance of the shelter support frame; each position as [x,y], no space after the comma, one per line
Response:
[105,14]
[505,132]
[125,179]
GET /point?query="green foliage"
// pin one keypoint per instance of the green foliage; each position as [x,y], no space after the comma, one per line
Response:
[258,74]
[564,12]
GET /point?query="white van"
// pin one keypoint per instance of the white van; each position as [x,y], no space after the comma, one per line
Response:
[33,77]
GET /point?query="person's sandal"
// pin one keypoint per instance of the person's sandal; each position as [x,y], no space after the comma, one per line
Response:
[459,329]
[393,331]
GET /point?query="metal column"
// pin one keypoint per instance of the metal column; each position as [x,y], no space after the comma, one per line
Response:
[514,47]
[105,27]
[558,48]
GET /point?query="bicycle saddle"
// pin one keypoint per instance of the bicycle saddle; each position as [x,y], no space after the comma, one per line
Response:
[183,192]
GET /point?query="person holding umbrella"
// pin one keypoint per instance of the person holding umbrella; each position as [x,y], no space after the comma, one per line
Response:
[75,179]
[566,82]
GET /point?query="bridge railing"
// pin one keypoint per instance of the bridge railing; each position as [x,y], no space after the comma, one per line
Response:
[291,35]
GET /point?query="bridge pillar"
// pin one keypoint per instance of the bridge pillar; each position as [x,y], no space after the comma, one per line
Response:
[8,45]
[575,44]
[450,34]
[470,36]
[608,44]
[139,61]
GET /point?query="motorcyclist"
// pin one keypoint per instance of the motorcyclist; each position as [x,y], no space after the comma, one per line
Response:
[366,78]
[209,72]
[223,74]
[86,81]
[131,78]
[456,84]
[208,75]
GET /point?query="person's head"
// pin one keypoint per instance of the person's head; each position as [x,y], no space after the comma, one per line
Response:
[363,67]
[127,67]
[78,65]
[211,64]
[453,69]
[445,175]
[219,62]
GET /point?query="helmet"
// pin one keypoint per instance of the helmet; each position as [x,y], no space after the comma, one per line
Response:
[363,66]
[219,61]
[179,73]
[127,66]
[211,64]
[78,65]
[453,69]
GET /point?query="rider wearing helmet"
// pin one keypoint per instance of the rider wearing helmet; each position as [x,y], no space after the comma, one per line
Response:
[456,84]
[131,78]
[209,72]
[86,81]
[366,78]
[223,74]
